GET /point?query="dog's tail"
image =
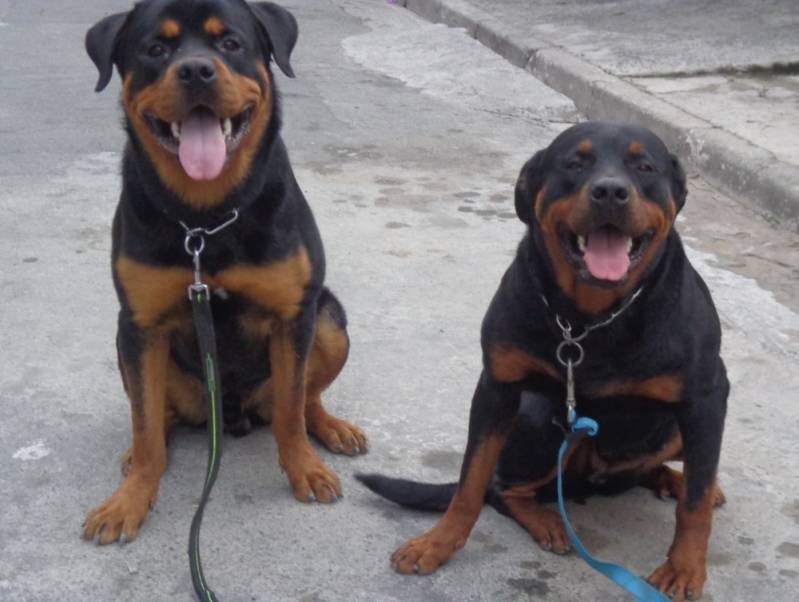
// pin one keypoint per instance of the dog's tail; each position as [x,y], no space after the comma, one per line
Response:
[421,496]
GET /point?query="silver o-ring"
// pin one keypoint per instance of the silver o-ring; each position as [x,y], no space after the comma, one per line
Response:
[187,244]
[580,353]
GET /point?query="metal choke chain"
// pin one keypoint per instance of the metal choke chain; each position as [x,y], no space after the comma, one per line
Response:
[194,243]
[572,343]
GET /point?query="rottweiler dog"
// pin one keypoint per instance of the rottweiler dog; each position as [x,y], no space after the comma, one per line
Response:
[202,115]
[600,204]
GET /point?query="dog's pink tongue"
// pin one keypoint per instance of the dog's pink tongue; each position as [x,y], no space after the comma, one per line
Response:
[202,148]
[606,254]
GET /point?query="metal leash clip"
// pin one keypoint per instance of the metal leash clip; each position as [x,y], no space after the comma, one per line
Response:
[195,251]
[570,363]
[194,243]
[569,340]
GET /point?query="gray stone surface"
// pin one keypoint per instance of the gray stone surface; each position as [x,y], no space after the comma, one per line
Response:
[693,72]
[409,166]
[761,109]
[651,36]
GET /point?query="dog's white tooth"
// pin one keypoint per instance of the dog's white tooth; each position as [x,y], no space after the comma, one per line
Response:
[629,244]
[227,127]
[581,243]
[175,130]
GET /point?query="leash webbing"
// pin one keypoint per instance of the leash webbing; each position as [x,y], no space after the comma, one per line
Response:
[586,427]
[200,298]
[206,338]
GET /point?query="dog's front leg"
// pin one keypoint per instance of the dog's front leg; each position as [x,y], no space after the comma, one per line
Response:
[494,406]
[289,345]
[144,356]
[701,420]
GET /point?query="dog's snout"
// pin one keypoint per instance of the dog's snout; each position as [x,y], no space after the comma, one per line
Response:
[610,191]
[196,72]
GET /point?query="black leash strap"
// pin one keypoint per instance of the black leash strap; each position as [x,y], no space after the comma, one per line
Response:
[200,298]
[206,338]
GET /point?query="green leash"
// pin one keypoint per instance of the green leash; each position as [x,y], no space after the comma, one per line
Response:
[200,298]
[204,323]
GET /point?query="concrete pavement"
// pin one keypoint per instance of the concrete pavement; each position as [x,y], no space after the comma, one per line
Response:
[717,79]
[407,138]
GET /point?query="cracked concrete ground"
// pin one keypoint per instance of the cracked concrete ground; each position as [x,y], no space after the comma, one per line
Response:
[717,79]
[407,140]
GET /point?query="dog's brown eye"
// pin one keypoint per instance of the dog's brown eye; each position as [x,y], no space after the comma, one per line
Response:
[645,167]
[574,165]
[231,44]
[156,50]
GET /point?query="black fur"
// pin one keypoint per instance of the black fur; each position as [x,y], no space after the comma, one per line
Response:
[671,329]
[275,219]
[419,496]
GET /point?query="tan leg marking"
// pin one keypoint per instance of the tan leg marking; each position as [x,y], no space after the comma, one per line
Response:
[309,477]
[326,360]
[185,403]
[543,524]
[683,575]
[424,554]
[121,515]
[666,482]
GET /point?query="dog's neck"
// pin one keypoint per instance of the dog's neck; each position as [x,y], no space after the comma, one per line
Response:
[264,183]
[654,281]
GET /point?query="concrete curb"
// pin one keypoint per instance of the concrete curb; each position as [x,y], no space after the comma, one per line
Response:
[740,168]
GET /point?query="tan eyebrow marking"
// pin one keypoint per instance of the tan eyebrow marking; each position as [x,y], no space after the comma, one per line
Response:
[636,148]
[170,28]
[214,26]
[585,147]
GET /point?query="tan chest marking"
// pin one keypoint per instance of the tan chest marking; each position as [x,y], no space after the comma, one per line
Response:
[509,364]
[152,292]
[666,387]
[278,286]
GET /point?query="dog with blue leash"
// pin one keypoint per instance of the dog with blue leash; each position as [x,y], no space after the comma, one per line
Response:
[601,363]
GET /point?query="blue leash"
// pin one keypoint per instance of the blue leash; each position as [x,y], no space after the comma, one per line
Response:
[581,428]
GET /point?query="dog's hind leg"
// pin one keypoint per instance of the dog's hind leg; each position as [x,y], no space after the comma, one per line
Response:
[185,403]
[327,358]
[666,482]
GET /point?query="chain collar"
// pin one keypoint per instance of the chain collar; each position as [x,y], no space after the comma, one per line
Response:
[194,243]
[571,341]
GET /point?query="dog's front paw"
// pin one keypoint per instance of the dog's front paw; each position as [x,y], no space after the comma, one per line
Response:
[310,479]
[549,532]
[680,579]
[339,436]
[121,515]
[424,554]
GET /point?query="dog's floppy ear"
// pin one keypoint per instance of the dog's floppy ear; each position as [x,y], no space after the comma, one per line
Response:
[281,30]
[679,189]
[527,187]
[101,43]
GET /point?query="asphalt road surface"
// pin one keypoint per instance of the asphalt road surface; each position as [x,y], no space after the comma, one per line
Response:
[407,139]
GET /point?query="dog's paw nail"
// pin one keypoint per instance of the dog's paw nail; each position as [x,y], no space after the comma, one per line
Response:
[416,569]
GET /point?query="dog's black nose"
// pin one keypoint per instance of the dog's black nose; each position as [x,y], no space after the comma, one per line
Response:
[610,191]
[198,71]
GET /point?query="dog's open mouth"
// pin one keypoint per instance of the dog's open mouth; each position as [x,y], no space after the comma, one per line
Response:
[607,254]
[203,140]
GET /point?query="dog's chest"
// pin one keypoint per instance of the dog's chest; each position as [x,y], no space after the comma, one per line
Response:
[155,293]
